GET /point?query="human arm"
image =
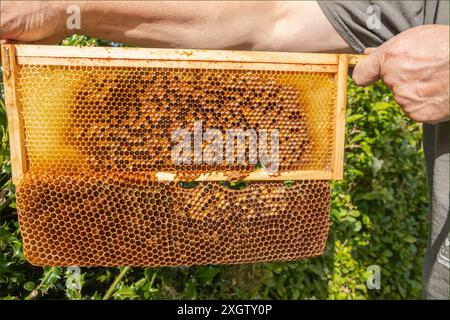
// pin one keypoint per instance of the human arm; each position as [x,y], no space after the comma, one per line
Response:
[269,25]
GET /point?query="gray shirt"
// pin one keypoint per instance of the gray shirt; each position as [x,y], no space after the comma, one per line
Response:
[368,24]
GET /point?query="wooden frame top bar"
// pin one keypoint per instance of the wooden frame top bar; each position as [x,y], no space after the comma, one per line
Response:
[124,53]
[176,64]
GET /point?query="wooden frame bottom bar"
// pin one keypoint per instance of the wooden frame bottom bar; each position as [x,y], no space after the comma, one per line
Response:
[259,175]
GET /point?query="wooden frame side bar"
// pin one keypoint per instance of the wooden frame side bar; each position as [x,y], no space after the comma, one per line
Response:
[15,123]
[339,134]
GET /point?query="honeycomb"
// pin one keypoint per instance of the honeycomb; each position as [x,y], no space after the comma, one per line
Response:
[95,137]
[120,119]
[91,221]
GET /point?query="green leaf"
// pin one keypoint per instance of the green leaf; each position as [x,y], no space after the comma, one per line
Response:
[207,274]
[410,239]
[29,286]
[125,292]
[354,117]
[357,226]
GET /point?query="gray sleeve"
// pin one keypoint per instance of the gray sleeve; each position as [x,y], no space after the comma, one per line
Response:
[370,23]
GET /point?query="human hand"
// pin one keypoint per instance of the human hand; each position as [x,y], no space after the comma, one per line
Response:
[415,66]
[41,22]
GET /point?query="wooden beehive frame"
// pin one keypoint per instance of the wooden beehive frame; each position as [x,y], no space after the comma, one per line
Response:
[337,64]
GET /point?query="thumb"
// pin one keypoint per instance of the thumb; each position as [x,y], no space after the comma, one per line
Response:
[367,71]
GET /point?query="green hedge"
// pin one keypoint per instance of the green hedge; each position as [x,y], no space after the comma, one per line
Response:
[379,217]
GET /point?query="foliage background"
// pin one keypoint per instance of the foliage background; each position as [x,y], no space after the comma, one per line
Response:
[379,216]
